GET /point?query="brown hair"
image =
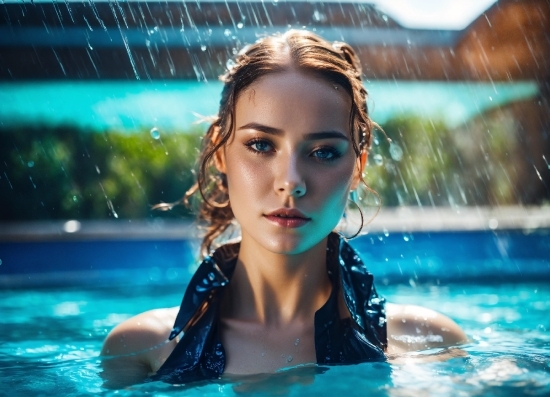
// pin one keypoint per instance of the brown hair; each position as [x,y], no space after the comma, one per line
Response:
[303,50]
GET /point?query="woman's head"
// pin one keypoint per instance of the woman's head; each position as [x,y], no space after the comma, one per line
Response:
[309,78]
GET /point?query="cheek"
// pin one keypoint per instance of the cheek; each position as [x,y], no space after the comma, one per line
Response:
[245,178]
[334,186]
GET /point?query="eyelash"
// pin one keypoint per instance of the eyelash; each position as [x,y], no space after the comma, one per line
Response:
[332,151]
[253,142]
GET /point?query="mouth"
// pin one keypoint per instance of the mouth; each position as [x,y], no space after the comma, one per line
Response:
[287,217]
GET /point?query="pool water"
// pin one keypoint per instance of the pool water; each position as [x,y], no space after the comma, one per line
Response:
[51,338]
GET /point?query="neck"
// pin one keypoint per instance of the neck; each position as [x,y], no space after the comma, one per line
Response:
[277,289]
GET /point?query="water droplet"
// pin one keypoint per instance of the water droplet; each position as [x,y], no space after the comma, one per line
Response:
[240,25]
[378,159]
[319,17]
[230,64]
[30,164]
[97,169]
[386,232]
[155,274]
[75,199]
[385,18]
[289,359]
[227,32]
[112,208]
[155,134]
[493,223]
[406,238]
[297,341]
[396,152]
[203,47]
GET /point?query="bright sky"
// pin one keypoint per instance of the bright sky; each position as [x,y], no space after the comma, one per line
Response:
[434,14]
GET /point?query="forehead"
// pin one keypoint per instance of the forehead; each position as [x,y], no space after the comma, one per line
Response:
[294,100]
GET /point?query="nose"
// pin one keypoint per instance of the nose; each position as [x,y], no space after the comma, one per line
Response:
[290,180]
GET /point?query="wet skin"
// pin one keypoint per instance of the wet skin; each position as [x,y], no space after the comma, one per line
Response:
[290,149]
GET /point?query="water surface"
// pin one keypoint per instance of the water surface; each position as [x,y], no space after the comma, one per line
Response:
[51,339]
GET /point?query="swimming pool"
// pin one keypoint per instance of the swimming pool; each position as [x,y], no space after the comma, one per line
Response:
[52,335]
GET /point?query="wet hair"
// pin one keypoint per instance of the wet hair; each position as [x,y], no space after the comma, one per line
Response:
[298,50]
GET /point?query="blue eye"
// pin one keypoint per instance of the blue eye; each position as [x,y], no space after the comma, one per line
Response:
[259,146]
[326,154]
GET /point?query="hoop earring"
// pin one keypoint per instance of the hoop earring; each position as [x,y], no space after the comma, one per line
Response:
[353,199]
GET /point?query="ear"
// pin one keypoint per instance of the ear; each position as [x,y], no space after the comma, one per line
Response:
[219,155]
[360,164]
[219,160]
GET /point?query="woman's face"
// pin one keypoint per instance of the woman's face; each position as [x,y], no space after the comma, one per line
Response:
[290,162]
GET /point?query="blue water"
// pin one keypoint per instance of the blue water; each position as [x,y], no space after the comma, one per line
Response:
[407,257]
[51,339]
[59,299]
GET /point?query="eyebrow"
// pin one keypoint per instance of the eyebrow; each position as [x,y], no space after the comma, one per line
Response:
[310,136]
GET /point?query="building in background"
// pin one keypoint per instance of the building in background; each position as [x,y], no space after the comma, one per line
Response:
[93,95]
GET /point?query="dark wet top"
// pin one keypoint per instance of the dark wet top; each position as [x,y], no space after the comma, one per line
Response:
[199,355]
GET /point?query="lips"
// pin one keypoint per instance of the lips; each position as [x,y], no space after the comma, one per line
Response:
[287,217]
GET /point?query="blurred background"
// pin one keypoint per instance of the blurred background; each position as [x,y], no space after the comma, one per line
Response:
[102,103]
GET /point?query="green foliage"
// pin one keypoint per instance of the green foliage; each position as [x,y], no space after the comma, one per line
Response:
[424,175]
[468,165]
[63,172]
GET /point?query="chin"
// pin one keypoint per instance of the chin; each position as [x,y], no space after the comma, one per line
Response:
[290,244]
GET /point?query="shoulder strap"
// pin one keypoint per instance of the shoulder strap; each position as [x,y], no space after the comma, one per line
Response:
[366,307]
[213,273]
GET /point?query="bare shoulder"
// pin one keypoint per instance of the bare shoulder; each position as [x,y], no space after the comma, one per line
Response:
[413,328]
[137,347]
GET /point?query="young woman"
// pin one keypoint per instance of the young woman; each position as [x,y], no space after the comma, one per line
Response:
[288,146]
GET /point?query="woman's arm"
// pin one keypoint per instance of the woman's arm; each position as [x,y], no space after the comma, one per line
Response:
[412,328]
[136,348]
